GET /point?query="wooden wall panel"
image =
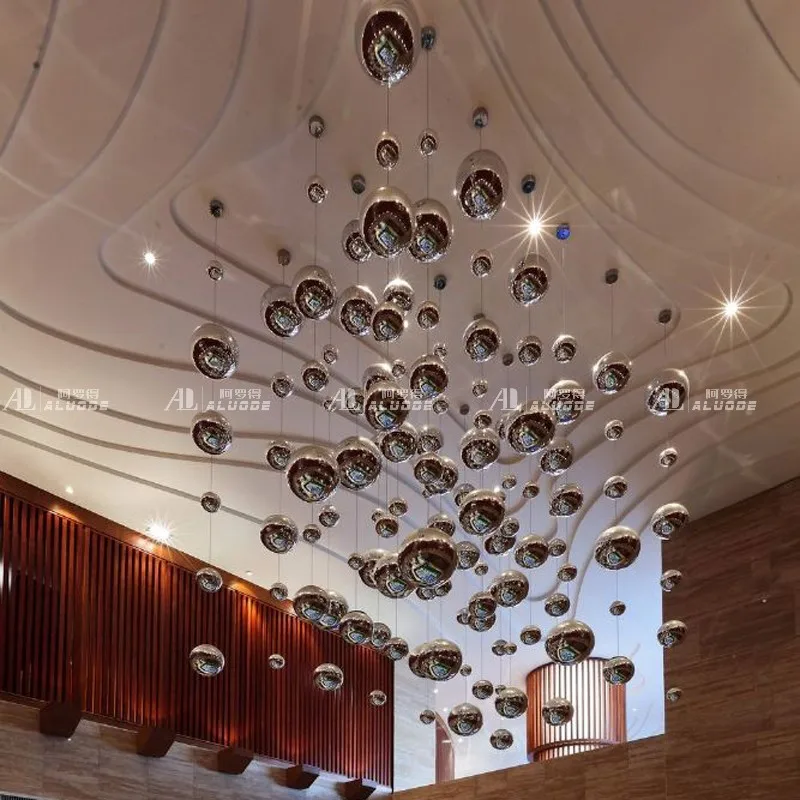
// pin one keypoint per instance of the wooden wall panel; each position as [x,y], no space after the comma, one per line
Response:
[88,617]
[736,731]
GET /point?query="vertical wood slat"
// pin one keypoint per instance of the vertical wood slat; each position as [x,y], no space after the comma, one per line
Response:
[92,618]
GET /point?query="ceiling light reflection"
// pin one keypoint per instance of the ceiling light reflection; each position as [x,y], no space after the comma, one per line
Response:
[159,531]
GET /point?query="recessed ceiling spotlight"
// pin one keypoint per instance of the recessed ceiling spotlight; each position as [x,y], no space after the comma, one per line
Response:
[731,308]
[68,489]
[535,226]
[149,258]
[249,573]
[159,531]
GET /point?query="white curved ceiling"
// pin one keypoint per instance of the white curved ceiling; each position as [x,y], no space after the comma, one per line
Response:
[661,132]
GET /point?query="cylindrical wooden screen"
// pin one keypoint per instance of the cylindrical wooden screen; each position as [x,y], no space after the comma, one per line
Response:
[91,619]
[445,755]
[599,718]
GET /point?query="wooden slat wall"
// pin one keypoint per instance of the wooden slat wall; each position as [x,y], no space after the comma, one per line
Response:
[89,618]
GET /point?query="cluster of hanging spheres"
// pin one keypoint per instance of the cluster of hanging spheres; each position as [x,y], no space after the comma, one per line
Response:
[388,43]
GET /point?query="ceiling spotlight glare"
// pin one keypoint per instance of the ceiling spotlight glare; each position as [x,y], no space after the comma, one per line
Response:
[535,226]
[159,531]
[731,308]
[149,258]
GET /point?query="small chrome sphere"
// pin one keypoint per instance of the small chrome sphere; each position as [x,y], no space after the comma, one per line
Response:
[427,716]
[427,557]
[617,547]
[531,552]
[387,151]
[509,482]
[385,406]
[617,608]
[376,373]
[674,694]
[566,500]
[316,190]
[353,243]
[388,222]
[208,579]
[387,323]
[400,444]
[371,559]
[428,315]
[355,310]
[511,649]
[481,340]
[211,502]
[277,454]
[496,544]
[428,377]
[359,463]
[557,711]
[611,373]
[398,507]
[430,439]
[499,647]
[461,491]
[500,687]
[556,547]
[328,677]
[671,633]
[314,292]
[667,392]
[280,313]
[569,642]
[462,618]
[530,635]
[614,430]
[311,533]
[529,279]
[395,649]
[336,609]
[668,519]
[282,385]
[439,660]
[482,605]
[215,352]
[276,661]
[389,579]
[381,634]
[480,448]
[482,419]
[481,512]
[215,270]
[615,487]
[481,263]
[312,473]
[433,232]
[330,354]
[440,350]
[425,593]
[509,588]
[667,457]
[481,568]
[328,516]
[279,534]
[564,348]
[310,603]
[443,589]
[501,739]
[428,468]
[482,689]
[567,573]
[465,671]
[377,698]
[465,719]
[618,670]
[557,457]
[315,376]
[467,555]
[400,292]
[529,350]
[670,580]
[530,490]
[355,627]
[207,660]
[212,433]
[567,400]
[387,40]
[557,605]
[355,561]
[531,428]
[428,142]
[481,625]
[481,184]
[279,592]
[511,703]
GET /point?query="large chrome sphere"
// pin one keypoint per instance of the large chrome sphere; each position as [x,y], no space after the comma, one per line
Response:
[212,433]
[617,547]
[465,719]
[337,608]
[511,703]
[367,572]
[482,689]
[566,500]
[430,439]
[377,373]
[280,313]
[557,457]
[355,309]
[615,487]
[433,232]
[356,627]
[277,454]
[670,579]
[611,372]
[386,406]
[315,375]
[428,315]
[207,660]
[530,635]
[481,184]
[569,642]
[481,512]
[215,352]
[667,392]
[208,579]
[556,605]
[400,444]
[671,633]
[312,473]
[428,468]
[359,462]
[328,677]
[427,557]
[438,660]
[531,551]
[310,603]
[387,40]
[381,634]
[387,322]
[501,739]
[353,244]
[389,578]
[618,670]
[400,292]
[669,519]
[557,711]
[395,649]
[482,605]
[556,547]
[279,534]
[481,624]
[467,555]
[509,588]
[442,522]
[428,377]
[531,428]
[529,279]
[314,292]
[567,399]
[529,350]
[388,222]
[480,448]
[481,339]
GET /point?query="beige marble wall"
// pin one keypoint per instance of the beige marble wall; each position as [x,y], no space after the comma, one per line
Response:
[414,743]
[100,762]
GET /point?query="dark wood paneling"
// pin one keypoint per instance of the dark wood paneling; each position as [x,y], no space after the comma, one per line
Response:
[88,616]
